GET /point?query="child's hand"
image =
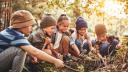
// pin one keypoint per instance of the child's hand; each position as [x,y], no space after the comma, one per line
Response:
[118,46]
[93,50]
[34,60]
[47,40]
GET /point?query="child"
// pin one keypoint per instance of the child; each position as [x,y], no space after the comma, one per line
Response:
[62,42]
[42,39]
[80,36]
[107,44]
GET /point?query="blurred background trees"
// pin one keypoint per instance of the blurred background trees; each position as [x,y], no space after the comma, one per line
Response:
[112,13]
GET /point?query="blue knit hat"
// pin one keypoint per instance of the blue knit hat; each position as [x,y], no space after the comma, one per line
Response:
[80,23]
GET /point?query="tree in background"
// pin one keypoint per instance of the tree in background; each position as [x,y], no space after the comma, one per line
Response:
[113,13]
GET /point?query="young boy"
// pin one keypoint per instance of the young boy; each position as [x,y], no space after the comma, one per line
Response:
[43,35]
[107,44]
[14,45]
[42,39]
[80,36]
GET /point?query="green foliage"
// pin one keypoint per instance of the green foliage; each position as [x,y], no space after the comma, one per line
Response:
[91,10]
[48,67]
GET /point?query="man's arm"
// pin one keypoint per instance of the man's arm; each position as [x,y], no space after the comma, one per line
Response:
[42,55]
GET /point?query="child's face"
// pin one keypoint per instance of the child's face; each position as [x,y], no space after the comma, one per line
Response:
[82,31]
[50,30]
[27,30]
[102,37]
[63,25]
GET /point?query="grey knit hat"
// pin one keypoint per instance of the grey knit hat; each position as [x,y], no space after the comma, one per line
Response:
[47,21]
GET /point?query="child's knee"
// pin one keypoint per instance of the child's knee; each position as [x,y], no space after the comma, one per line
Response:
[105,49]
[65,39]
[86,46]
[78,43]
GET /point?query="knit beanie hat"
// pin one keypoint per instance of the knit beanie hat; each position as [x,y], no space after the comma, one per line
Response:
[47,21]
[22,18]
[100,29]
[80,23]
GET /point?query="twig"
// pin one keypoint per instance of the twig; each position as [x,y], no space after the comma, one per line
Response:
[71,68]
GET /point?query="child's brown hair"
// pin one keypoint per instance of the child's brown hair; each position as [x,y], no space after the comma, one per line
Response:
[62,17]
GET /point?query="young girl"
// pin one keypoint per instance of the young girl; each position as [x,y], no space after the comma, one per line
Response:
[62,42]
[80,36]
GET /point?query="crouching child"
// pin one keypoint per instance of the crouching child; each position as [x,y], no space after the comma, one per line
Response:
[80,36]
[107,44]
[62,40]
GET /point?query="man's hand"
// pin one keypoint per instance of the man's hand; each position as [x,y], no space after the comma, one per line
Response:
[41,55]
[59,63]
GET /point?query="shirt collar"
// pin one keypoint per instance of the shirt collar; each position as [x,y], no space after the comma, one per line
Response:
[19,33]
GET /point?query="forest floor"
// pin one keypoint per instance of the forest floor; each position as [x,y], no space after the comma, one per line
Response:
[117,63]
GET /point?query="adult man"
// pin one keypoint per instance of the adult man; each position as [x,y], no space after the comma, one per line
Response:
[13,44]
